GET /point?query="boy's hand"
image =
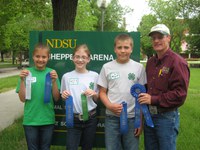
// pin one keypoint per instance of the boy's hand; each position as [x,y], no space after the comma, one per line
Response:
[116,108]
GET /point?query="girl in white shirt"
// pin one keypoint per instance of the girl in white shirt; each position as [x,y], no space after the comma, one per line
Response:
[74,83]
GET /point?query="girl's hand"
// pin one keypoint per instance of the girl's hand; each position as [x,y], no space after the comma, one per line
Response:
[89,92]
[53,75]
[65,94]
[23,74]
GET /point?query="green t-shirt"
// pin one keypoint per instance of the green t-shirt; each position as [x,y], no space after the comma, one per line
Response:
[36,112]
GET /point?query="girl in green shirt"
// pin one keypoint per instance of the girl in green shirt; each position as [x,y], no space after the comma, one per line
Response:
[39,117]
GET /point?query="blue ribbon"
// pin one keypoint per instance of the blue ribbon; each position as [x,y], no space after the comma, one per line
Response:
[69,112]
[136,89]
[123,119]
[47,90]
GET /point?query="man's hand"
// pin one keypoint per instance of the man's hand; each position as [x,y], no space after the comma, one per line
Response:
[144,98]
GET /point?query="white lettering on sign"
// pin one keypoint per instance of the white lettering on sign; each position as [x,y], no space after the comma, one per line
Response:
[94,57]
[59,56]
[58,107]
[100,125]
[62,123]
[102,57]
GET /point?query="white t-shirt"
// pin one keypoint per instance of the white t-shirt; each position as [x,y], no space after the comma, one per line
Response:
[118,79]
[76,83]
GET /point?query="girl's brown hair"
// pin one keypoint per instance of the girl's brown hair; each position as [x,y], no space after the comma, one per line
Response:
[42,46]
[84,47]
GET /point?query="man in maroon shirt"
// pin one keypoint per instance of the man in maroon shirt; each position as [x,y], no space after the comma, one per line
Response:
[167,84]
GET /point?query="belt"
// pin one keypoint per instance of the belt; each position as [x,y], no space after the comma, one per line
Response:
[90,113]
[163,110]
[158,110]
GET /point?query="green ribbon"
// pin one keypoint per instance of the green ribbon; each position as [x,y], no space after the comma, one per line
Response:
[84,107]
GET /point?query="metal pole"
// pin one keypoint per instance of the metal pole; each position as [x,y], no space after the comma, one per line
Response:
[102,18]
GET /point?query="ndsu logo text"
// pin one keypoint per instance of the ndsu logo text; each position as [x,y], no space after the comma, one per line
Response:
[61,43]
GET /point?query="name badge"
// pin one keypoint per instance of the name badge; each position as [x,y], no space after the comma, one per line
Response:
[33,80]
[73,81]
[114,75]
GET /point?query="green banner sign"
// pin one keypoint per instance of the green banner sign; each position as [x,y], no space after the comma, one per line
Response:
[62,43]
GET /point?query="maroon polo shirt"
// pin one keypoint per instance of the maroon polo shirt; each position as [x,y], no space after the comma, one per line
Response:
[167,80]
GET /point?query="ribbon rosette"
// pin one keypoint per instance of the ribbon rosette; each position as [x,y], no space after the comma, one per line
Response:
[135,90]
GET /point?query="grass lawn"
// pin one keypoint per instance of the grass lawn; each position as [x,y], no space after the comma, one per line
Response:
[7,64]
[8,83]
[12,138]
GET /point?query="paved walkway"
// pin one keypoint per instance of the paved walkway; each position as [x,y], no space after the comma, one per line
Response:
[11,108]
[6,72]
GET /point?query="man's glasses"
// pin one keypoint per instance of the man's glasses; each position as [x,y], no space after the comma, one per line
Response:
[153,38]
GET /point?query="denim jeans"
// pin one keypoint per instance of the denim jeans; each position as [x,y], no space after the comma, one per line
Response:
[163,135]
[83,134]
[114,140]
[39,137]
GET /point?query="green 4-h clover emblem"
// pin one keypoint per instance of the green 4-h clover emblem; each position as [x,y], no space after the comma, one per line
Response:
[131,76]
[91,86]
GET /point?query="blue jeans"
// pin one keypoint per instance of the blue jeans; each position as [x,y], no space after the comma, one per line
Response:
[83,133]
[39,137]
[114,140]
[163,135]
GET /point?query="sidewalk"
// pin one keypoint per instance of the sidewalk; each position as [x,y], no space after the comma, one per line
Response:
[6,72]
[11,108]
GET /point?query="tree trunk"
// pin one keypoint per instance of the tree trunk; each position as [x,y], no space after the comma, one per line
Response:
[2,58]
[64,13]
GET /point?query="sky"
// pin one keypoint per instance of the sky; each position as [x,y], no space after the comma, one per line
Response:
[140,8]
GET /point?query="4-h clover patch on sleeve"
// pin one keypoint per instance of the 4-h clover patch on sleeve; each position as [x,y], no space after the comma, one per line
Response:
[91,86]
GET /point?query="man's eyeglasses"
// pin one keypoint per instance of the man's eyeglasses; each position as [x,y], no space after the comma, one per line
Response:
[153,38]
[77,57]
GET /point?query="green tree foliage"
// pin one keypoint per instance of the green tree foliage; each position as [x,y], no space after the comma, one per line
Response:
[18,17]
[114,20]
[144,28]
[88,16]
[85,20]
[169,12]
[193,20]
[180,16]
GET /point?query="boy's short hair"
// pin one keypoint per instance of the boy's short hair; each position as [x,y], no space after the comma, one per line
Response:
[123,37]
